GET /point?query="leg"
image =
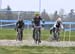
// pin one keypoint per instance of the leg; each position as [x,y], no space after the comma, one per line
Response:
[39,35]
[54,33]
[58,33]
[21,37]
[17,38]
[54,36]
[34,33]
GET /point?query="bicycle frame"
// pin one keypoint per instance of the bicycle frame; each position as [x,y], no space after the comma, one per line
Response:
[19,35]
[55,34]
[37,34]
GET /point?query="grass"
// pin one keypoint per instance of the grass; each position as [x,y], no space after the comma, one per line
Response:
[45,35]
[11,34]
[36,50]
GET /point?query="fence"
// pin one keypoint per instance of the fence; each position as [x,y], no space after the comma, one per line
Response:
[68,26]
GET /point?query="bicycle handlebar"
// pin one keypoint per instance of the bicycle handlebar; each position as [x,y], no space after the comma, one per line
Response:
[37,26]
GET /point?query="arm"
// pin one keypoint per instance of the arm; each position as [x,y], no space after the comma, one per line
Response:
[62,26]
[23,26]
[55,24]
[16,26]
[43,22]
[33,22]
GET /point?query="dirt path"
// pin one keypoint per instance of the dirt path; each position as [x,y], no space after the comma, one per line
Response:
[31,43]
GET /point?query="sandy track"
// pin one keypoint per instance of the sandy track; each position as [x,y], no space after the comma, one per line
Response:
[31,43]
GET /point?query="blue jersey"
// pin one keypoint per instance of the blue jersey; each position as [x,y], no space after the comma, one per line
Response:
[36,21]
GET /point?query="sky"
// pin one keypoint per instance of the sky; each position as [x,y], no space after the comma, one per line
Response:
[33,5]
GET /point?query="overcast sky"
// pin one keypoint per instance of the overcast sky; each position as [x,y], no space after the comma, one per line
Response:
[33,5]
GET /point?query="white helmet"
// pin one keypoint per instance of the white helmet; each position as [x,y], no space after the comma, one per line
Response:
[59,19]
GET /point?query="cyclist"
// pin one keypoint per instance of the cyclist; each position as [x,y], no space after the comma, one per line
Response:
[36,22]
[19,29]
[56,28]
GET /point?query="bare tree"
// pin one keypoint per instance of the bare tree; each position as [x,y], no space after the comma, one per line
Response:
[45,15]
[61,13]
[55,16]
[9,13]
